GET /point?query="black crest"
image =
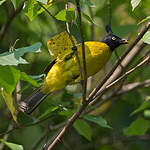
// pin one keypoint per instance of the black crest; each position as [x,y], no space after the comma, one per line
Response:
[112,40]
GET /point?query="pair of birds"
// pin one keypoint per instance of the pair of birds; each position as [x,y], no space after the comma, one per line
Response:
[64,69]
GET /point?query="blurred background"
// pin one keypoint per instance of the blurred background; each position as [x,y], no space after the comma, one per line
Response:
[58,107]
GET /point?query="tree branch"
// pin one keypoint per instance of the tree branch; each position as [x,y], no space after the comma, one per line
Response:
[120,78]
[83,53]
[118,62]
[125,89]
[73,43]
[66,127]
[48,11]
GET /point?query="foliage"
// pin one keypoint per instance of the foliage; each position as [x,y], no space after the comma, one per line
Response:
[21,71]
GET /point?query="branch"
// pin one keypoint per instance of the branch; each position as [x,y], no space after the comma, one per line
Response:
[66,127]
[92,30]
[73,43]
[118,62]
[49,13]
[125,89]
[127,61]
[123,76]
[9,20]
[26,125]
[83,53]
[133,86]
[83,105]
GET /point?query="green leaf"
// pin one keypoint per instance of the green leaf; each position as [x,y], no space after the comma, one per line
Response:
[148,17]
[27,78]
[83,129]
[47,113]
[33,48]
[71,14]
[145,105]
[98,120]
[9,101]
[9,77]
[16,3]
[137,127]
[2,1]
[135,3]
[33,9]
[146,37]
[88,18]
[12,146]
[8,58]
[14,58]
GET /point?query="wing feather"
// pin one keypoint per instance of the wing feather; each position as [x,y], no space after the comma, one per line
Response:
[60,45]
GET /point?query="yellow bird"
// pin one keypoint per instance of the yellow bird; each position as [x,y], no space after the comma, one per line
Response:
[64,70]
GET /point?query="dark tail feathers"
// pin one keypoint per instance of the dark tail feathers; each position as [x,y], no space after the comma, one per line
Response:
[32,102]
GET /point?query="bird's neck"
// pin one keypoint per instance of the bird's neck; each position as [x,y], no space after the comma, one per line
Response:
[112,46]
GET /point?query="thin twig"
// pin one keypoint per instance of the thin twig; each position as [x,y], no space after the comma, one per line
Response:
[92,30]
[125,89]
[47,11]
[127,61]
[26,125]
[73,43]
[67,125]
[120,78]
[118,62]
[10,19]
[83,52]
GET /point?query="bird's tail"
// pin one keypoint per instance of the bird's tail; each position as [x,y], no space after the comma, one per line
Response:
[32,102]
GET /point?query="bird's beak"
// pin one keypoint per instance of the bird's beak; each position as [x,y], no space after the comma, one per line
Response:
[124,41]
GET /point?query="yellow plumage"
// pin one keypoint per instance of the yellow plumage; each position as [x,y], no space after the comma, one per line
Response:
[66,72]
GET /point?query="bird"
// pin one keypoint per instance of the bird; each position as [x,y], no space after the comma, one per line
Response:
[64,69]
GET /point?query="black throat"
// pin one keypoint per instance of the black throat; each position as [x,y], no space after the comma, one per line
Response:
[111,44]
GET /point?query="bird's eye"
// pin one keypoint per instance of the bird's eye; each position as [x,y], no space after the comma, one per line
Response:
[113,38]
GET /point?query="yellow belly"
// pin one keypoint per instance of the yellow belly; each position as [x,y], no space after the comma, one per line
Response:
[67,72]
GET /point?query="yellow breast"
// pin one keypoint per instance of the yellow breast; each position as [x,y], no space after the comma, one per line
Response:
[98,55]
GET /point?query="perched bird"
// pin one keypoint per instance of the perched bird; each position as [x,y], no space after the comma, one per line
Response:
[64,70]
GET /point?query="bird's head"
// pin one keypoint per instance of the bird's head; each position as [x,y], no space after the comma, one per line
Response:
[112,40]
